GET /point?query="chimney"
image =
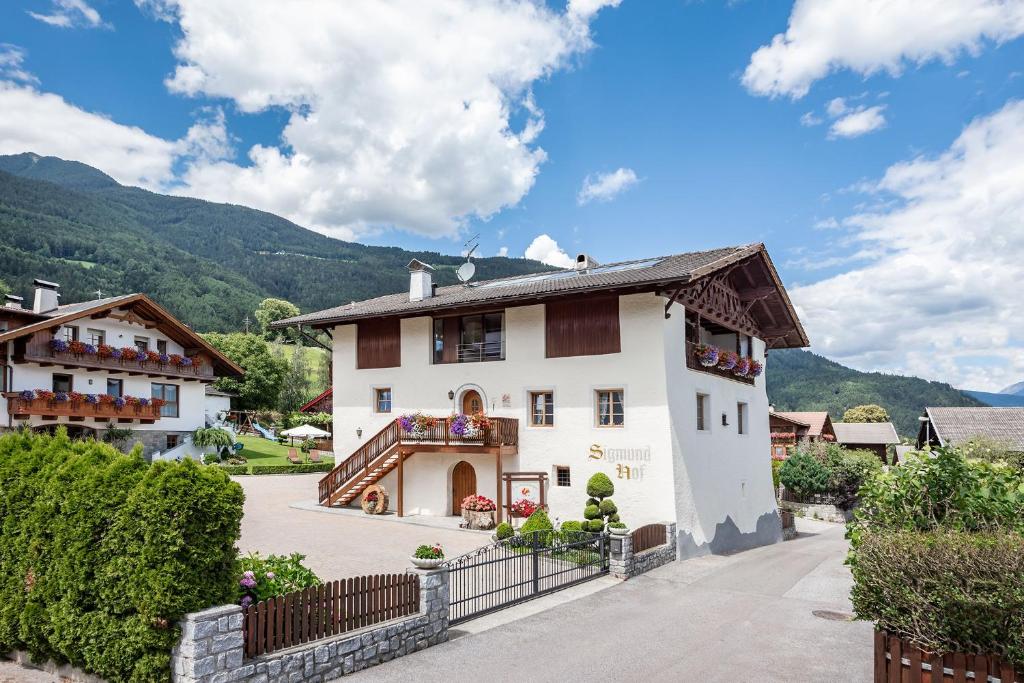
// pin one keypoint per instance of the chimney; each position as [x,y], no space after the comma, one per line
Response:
[585,262]
[420,281]
[12,301]
[46,296]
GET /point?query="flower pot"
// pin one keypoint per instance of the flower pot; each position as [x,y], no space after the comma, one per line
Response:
[427,564]
[618,531]
[708,362]
[477,519]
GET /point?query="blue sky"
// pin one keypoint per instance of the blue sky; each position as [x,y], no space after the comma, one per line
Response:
[418,128]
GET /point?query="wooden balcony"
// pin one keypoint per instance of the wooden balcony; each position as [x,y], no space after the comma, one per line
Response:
[78,411]
[41,353]
[694,364]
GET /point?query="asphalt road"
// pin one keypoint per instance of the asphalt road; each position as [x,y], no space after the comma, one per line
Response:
[745,617]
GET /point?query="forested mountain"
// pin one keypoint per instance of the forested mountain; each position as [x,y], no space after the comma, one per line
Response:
[801,380]
[210,264]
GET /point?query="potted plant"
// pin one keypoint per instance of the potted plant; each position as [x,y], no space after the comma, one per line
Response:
[468,426]
[478,511]
[417,425]
[618,528]
[428,556]
[58,345]
[727,360]
[707,355]
[742,367]
[756,368]
[523,508]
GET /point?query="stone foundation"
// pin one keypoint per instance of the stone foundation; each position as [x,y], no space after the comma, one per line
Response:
[624,563]
[211,645]
[822,511]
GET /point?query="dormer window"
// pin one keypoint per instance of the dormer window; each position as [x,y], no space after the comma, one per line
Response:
[469,338]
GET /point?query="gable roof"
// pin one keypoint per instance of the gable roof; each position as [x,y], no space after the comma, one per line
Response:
[173,327]
[876,433]
[651,274]
[954,426]
[815,421]
[313,402]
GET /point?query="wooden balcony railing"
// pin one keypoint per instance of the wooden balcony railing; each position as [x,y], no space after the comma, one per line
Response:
[694,364]
[20,408]
[40,352]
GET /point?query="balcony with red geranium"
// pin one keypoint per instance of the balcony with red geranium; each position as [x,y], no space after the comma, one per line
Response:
[77,407]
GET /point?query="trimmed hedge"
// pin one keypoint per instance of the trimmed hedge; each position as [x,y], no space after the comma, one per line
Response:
[306,468]
[235,469]
[102,554]
[945,591]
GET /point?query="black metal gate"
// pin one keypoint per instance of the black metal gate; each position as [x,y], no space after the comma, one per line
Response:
[522,568]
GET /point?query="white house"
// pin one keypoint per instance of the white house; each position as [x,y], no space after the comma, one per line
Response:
[586,370]
[121,361]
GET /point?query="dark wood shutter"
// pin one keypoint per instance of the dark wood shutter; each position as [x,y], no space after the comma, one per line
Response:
[379,343]
[582,327]
[451,341]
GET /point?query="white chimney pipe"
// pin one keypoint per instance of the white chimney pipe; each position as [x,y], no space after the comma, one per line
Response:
[46,296]
[585,262]
[420,280]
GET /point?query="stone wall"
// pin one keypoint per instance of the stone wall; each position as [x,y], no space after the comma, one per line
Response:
[211,646]
[624,563]
[822,511]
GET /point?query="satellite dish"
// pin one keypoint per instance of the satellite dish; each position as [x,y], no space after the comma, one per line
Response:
[466,271]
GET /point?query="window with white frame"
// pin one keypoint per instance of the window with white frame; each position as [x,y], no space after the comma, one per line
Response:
[542,408]
[95,337]
[741,418]
[382,400]
[609,408]
[703,412]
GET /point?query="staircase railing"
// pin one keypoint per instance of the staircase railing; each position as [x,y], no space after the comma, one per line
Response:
[503,431]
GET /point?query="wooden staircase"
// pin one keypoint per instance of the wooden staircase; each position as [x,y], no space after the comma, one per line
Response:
[381,453]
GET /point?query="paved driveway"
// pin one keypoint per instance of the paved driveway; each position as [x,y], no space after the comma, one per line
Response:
[746,617]
[335,546]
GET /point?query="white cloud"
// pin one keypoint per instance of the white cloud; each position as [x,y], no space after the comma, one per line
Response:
[400,111]
[858,122]
[503,251]
[70,14]
[836,107]
[546,250]
[44,123]
[604,187]
[868,36]
[11,58]
[810,119]
[937,296]
[829,223]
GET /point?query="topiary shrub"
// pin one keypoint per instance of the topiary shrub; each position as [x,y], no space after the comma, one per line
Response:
[600,486]
[600,509]
[595,525]
[101,554]
[803,475]
[537,526]
[592,512]
[571,525]
[504,531]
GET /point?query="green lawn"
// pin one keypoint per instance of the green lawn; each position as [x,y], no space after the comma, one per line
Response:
[260,451]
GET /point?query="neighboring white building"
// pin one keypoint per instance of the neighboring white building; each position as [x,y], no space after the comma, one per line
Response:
[67,365]
[580,371]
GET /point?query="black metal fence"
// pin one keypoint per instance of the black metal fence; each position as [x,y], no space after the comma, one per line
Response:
[522,568]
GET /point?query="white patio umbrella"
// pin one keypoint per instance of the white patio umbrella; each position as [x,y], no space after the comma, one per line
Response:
[304,432]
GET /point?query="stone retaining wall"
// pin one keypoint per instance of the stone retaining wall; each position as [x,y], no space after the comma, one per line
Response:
[823,511]
[211,646]
[624,563]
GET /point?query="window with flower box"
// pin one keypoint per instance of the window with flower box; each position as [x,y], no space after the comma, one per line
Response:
[63,383]
[115,387]
[95,337]
[169,394]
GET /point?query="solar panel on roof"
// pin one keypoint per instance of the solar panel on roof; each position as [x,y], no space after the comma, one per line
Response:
[562,274]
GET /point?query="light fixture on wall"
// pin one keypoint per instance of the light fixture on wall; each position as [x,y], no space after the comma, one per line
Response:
[451,395]
[725,420]
[359,432]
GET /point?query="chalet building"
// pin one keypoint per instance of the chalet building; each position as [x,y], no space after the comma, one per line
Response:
[646,370]
[121,361]
[324,403]
[789,430]
[956,426]
[876,437]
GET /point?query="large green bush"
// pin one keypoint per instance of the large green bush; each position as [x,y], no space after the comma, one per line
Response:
[537,526]
[804,475]
[943,590]
[848,470]
[101,554]
[273,575]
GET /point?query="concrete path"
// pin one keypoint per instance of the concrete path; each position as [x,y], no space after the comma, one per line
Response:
[745,617]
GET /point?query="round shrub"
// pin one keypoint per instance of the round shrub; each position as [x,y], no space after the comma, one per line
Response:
[607,507]
[593,501]
[848,470]
[600,486]
[595,525]
[571,525]
[537,526]
[804,475]
[592,512]
[614,517]
[504,531]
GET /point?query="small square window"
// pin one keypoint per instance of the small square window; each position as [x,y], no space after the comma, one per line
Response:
[70,333]
[161,346]
[562,477]
[115,387]
[172,441]
[610,409]
[741,418]
[62,383]
[702,413]
[382,400]
[142,344]
[95,337]
[542,408]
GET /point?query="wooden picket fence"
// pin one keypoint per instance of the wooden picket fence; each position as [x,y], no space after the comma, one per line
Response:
[648,536]
[898,661]
[326,610]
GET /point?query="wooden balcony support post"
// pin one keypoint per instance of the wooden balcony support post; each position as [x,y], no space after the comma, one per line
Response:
[401,483]
[497,469]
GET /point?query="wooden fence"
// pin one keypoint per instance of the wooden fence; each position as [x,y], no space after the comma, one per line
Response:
[329,609]
[648,536]
[897,661]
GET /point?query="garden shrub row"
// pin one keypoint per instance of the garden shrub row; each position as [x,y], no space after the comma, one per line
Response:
[305,468]
[937,554]
[102,554]
[828,469]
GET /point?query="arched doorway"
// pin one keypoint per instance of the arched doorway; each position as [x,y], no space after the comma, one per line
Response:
[472,404]
[463,484]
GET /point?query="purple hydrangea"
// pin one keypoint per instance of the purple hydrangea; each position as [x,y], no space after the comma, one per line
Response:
[58,345]
[246,601]
[27,395]
[271,575]
[60,397]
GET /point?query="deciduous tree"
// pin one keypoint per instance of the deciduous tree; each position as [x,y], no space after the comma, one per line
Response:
[866,413]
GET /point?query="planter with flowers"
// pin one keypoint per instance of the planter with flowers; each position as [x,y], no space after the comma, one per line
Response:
[428,556]
[756,368]
[468,426]
[742,367]
[417,426]
[707,355]
[375,500]
[727,360]
[478,511]
[521,509]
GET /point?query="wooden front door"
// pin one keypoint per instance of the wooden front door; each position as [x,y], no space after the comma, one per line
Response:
[463,484]
[472,404]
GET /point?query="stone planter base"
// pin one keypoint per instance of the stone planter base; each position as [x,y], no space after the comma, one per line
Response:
[478,520]
[822,511]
